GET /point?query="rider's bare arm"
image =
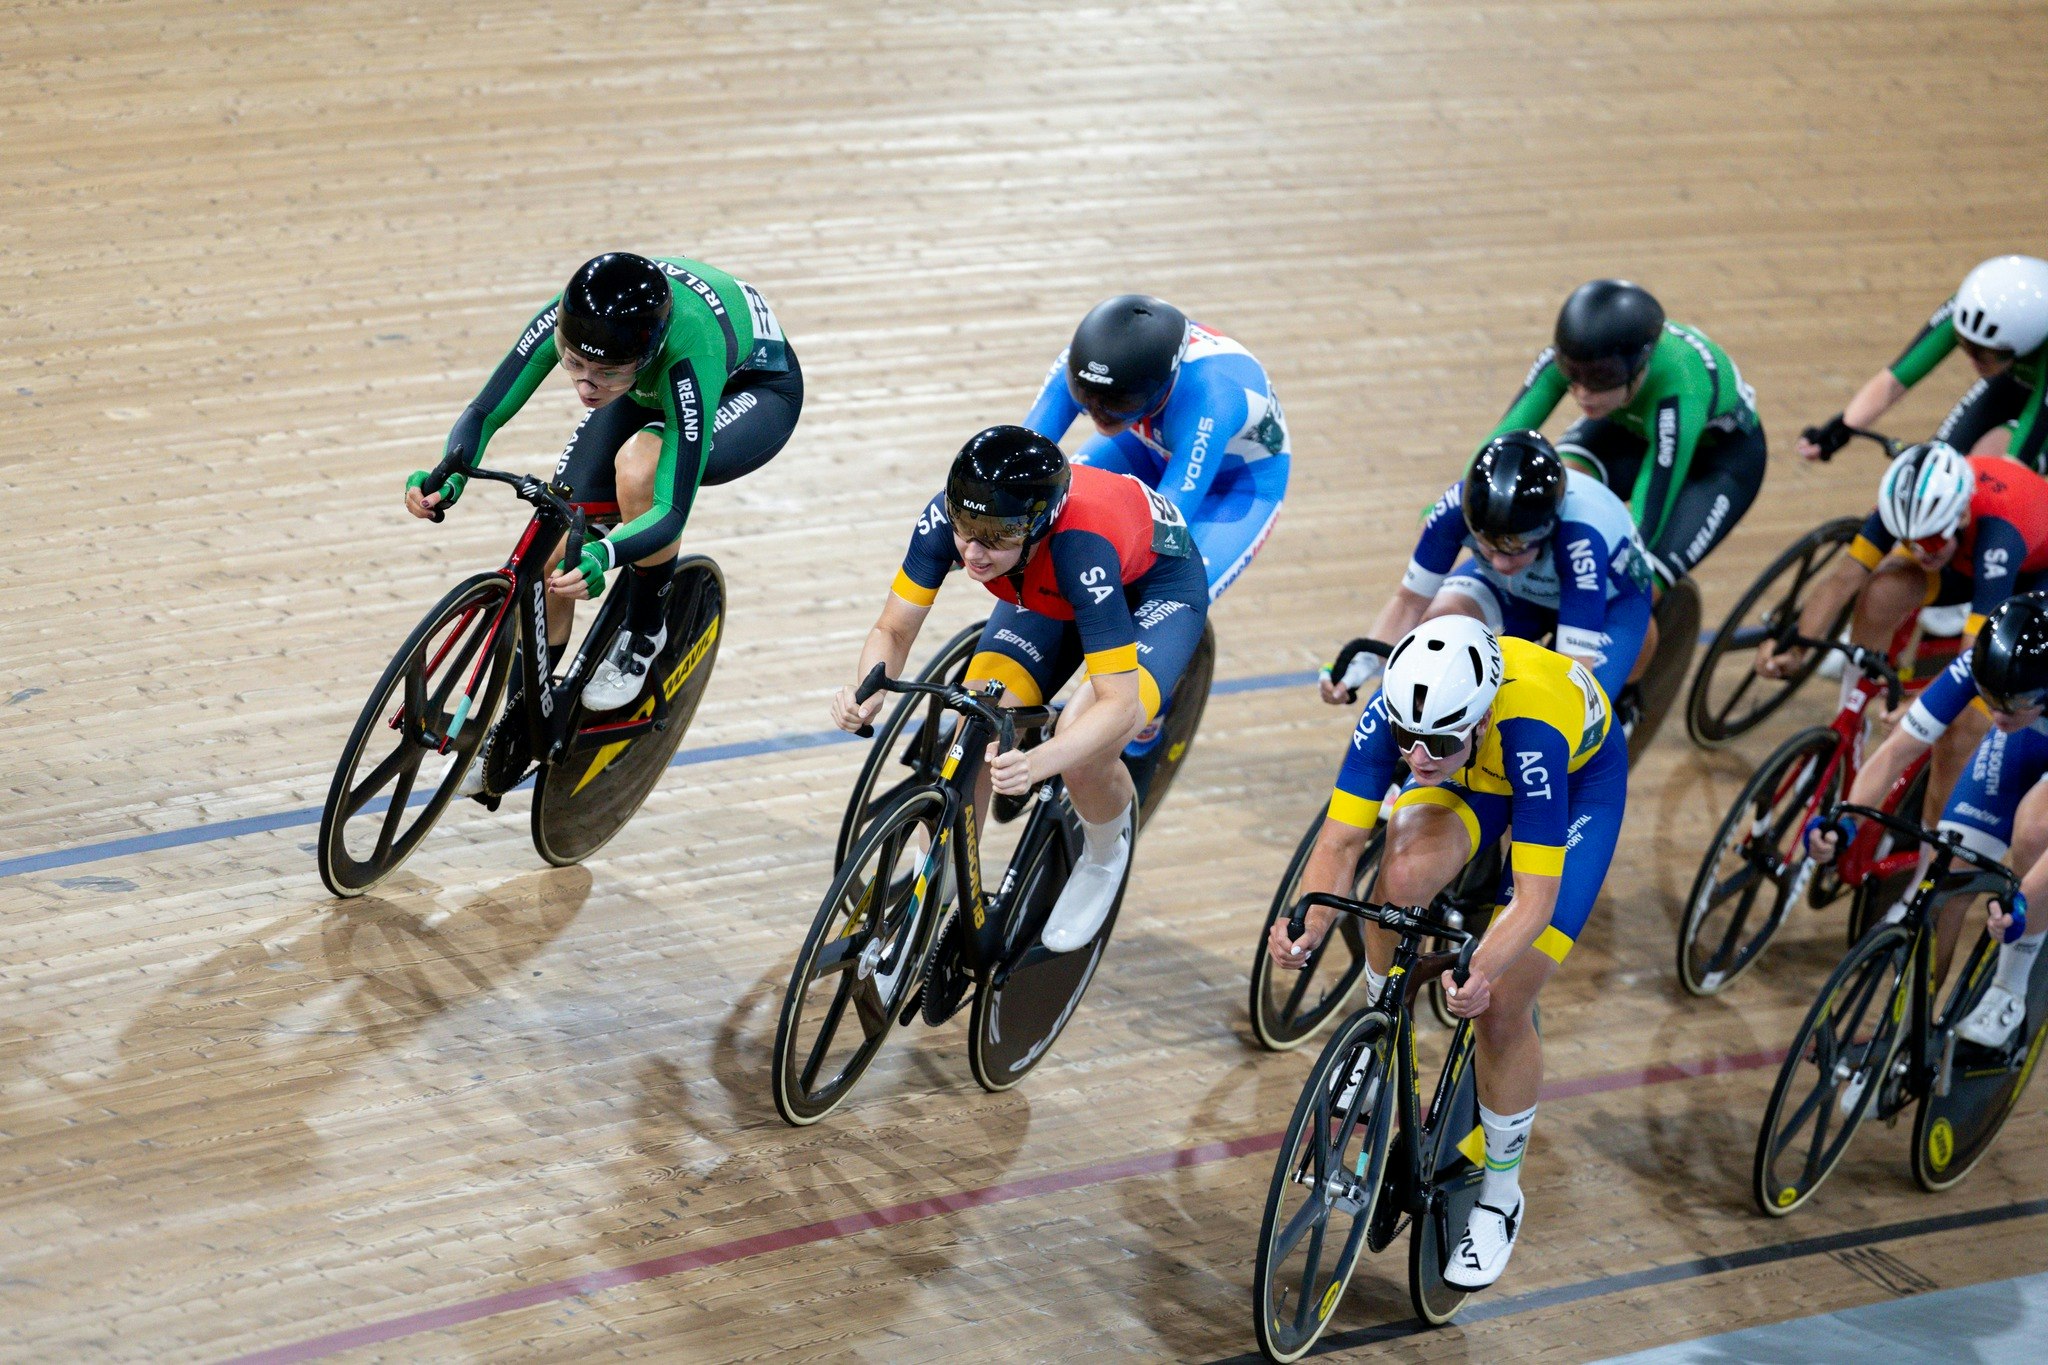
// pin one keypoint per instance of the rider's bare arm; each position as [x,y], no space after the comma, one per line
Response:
[888,644]
[1837,588]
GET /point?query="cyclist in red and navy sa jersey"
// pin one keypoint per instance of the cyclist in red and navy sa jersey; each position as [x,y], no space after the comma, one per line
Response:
[688,380]
[1999,807]
[1947,530]
[1500,735]
[1182,407]
[1999,318]
[1091,569]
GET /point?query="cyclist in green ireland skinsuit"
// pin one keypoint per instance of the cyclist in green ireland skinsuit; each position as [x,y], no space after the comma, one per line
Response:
[2000,319]
[688,380]
[1669,424]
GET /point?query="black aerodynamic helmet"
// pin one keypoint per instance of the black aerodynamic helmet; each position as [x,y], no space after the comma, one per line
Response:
[1514,490]
[1124,356]
[2009,661]
[1006,486]
[1606,332]
[616,308]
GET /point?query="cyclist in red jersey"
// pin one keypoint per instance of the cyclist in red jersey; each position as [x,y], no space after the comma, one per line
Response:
[1947,530]
[1092,568]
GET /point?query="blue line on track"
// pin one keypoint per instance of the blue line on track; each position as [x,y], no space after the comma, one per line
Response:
[297,819]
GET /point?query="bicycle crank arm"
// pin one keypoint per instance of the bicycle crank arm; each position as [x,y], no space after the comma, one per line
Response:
[1944,1070]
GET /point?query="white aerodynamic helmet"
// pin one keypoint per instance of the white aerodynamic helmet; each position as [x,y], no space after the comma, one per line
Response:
[2003,304]
[1443,676]
[1926,491]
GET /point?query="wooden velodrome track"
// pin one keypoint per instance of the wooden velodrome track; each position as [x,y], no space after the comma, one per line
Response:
[256,259]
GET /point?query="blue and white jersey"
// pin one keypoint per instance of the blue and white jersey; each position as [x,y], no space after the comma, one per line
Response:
[1592,558]
[1942,700]
[1221,416]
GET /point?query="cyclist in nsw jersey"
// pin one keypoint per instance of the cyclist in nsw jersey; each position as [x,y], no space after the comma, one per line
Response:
[1551,550]
[1185,409]
[1947,530]
[688,380]
[1668,422]
[1499,734]
[1999,807]
[2000,320]
[1090,568]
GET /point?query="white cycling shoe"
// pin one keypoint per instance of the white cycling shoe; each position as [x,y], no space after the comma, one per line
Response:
[1996,1019]
[1482,1254]
[622,672]
[1086,899]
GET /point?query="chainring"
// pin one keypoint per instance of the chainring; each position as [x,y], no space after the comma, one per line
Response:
[947,979]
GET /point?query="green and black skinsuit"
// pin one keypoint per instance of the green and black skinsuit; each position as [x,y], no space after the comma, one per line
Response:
[2018,396]
[724,391]
[1687,452]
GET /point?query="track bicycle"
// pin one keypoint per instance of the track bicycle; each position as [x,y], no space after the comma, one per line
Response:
[1287,1009]
[428,715]
[1874,1043]
[1729,698]
[1758,850]
[912,738]
[1361,1158]
[908,930]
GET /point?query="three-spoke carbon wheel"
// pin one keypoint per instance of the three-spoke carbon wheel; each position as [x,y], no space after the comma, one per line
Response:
[1756,867]
[1288,1007]
[415,737]
[1325,1181]
[1839,1061]
[1729,698]
[1018,1014]
[586,798]
[860,962]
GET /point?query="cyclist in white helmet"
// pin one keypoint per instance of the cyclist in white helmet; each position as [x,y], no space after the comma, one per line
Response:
[1947,530]
[1500,736]
[2000,319]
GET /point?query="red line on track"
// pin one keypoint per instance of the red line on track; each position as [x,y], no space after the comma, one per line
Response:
[1202,1154]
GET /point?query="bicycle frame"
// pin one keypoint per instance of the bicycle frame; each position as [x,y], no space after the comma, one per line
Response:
[1925,1071]
[549,704]
[1395,1000]
[966,752]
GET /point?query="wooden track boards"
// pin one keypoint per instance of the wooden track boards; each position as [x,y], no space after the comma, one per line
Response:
[256,261]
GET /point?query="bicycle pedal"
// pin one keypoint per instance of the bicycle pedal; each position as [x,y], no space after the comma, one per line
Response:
[487,799]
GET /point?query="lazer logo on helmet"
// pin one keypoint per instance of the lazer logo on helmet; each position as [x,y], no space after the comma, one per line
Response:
[1095,373]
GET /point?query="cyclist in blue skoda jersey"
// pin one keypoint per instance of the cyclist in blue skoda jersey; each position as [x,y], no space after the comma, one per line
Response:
[1547,549]
[1183,408]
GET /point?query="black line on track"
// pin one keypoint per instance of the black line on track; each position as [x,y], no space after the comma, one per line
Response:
[1483,1311]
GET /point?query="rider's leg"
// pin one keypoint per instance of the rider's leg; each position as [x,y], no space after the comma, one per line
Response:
[1509,1049]
[1607,450]
[1031,655]
[755,418]
[1727,471]
[1432,832]
[1237,515]
[1169,618]
[1976,425]
[1999,809]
